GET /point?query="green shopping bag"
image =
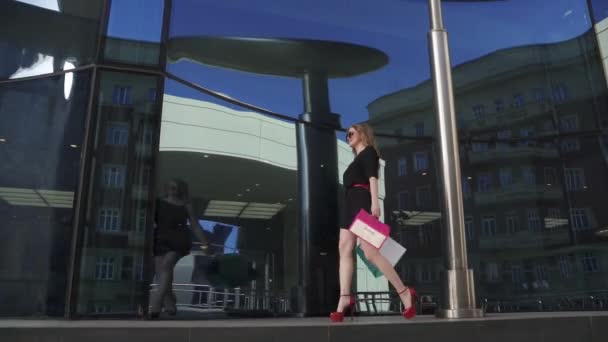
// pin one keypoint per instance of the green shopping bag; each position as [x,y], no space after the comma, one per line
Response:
[372,268]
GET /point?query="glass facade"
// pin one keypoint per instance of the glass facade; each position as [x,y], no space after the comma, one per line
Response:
[44,37]
[119,204]
[104,105]
[41,146]
[240,168]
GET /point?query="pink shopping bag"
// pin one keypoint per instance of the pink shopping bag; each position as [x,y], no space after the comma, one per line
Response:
[370,229]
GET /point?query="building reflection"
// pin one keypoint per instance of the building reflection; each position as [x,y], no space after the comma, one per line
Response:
[534,170]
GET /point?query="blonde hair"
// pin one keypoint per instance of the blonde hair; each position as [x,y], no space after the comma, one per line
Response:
[367,136]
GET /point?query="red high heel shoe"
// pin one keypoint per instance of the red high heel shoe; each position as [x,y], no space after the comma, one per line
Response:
[410,312]
[338,317]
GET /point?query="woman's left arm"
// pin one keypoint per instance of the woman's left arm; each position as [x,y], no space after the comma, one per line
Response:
[373,188]
[196,227]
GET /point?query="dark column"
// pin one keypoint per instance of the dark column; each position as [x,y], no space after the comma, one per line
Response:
[318,200]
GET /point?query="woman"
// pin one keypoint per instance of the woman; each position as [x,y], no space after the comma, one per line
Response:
[361,183]
[172,241]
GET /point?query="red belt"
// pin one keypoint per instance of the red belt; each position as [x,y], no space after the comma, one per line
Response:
[364,186]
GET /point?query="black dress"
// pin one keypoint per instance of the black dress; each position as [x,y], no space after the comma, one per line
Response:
[172,233]
[363,167]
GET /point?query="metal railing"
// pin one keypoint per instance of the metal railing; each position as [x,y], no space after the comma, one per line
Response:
[206,298]
[597,300]
[209,298]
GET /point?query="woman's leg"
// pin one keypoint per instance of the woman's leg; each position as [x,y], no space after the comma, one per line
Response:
[373,255]
[164,277]
[347,265]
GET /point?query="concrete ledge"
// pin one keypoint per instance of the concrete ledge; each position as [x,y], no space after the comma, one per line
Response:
[537,327]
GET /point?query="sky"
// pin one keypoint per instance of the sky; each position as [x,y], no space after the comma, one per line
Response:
[397,27]
[230,245]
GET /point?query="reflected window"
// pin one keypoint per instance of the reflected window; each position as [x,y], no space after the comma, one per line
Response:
[575,179]
[134,31]
[560,93]
[408,271]
[550,176]
[499,105]
[516,275]
[534,221]
[526,132]
[104,268]
[146,176]
[426,273]
[402,167]
[540,272]
[492,272]
[553,213]
[480,146]
[571,145]
[421,161]
[148,136]
[589,263]
[113,176]
[579,218]
[548,127]
[126,269]
[538,95]
[140,223]
[469,225]
[151,95]
[484,182]
[568,123]
[506,177]
[554,219]
[512,223]
[138,271]
[528,175]
[518,101]
[102,308]
[109,220]
[420,129]
[121,95]
[117,134]
[403,200]
[488,224]
[423,197]
[505,136]
[565,266]
[479,111]
[466,188]
[425,235]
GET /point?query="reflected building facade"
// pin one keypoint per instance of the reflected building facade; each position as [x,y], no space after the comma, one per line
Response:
[95,123]
[534,168]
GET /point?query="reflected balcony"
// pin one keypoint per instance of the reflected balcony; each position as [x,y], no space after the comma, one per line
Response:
[511,153]
[519,193]
[509,117]
[536,241]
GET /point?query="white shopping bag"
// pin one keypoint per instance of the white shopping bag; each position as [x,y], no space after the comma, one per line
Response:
[392,251]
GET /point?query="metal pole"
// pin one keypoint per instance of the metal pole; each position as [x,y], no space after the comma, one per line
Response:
[458,288]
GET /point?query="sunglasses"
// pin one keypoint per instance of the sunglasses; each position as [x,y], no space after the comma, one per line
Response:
[349,134]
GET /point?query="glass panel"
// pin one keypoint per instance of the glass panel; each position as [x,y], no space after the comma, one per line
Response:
[237,171]
[41,134]
[119,216]
[134,31]
[547,221]
[41,37]
[412,208]
[521,134]
[365,49]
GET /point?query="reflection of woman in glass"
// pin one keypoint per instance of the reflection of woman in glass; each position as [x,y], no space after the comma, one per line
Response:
[361,183]
[172,241]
